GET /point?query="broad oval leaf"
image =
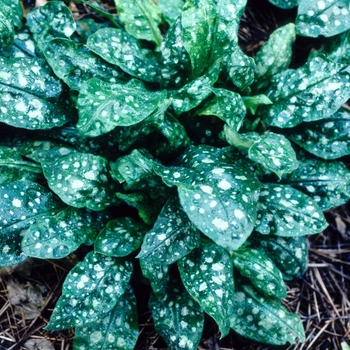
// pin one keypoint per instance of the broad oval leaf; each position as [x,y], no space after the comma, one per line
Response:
[261,271]
[312,92]
[90,291]
[264,319]
[81,180]
[118,330]
[207,274]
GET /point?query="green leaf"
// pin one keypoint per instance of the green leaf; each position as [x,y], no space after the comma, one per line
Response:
[264,319]
[104,106]
[326,138]
[172,236]
[141,19]
[178,319]
[285,4]
[207,274]
[23,45]
[253,102]
[171,9]
[90,291]
[29,95]
[75,64]
[120,237]
[285,211]
[326,182]
[314,91]
[11,15]
[81,180]
[317,18]
[275,153]
[261,271]
[118,330]
[88,26]
[57,236]
[22,204]
[119,48]
[218,196]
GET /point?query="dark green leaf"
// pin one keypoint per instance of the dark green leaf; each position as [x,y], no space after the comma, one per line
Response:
[11,15]
[207,274]
[88,26]
[285,4]
[90,291]
[171,9]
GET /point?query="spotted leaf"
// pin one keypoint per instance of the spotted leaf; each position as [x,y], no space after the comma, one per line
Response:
[10,16]
[178,319]
[117,330]
[264,319]
[326,138]
[104,106]
[119,48]
[120,237]
[313,92]
[285,4]
[81,180]
[22,204]
[172,236]
[207,274]
[171,10]
[57,236]
[275,153]
[327,18]
[90,291]
[261,271]
[29,95]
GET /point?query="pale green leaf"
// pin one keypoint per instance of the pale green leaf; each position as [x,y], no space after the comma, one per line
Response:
[253,102]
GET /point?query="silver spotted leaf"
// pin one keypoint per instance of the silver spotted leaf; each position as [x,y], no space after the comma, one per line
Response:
[22,204]
[103,106]
[274,56]
[90,291]
[207,274]
[141,19]
[13,167]
[289,254]
[285,211]
[326,182]
[123,50]
[312,92]
[117,330]
[10,17]
[275,153]
[261,271]
[285,4]
[29,95]
[177,318]
[57,236]
[326,18]
[172,236]
[74,64]
[264,319]
[171,9]
[326,138]
[120,237]
[219,197]
[81,180]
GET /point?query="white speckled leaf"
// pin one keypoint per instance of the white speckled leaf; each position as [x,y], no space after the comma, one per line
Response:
[327,18]
[74,63]
[11,15]
[171,9]
[178,318]
[264,319]
[103,106]
[326,182]
[22,204]
[29,95]
[261,271]
[314,91]
[120,48]
[275,153]
[219,197]
[141,18]
[117,330]
[172,236]
[327,138]
[207,274]
[90,291]
[285,4]
[23,45]
[120,237]
[81,180]
[57,236]
[285,211]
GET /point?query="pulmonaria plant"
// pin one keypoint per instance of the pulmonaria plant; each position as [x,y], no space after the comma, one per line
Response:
[176,159]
